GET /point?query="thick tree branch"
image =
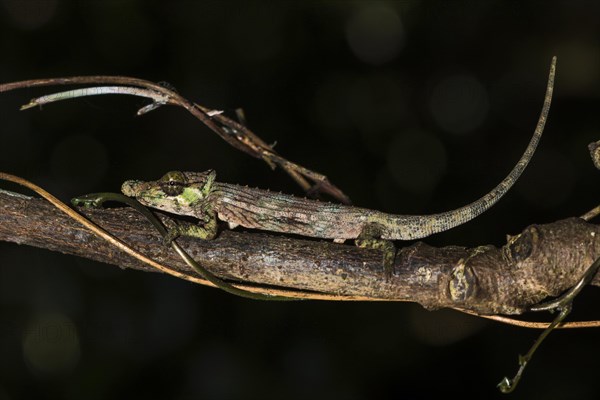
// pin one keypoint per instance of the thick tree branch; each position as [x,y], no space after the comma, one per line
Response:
[544,260]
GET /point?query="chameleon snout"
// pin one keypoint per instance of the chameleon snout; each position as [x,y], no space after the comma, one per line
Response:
[131,188]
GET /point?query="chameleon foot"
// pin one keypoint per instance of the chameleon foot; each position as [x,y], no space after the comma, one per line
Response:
[370,238]
[206,231]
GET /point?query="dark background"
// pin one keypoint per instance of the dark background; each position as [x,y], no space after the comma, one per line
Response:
[410,107]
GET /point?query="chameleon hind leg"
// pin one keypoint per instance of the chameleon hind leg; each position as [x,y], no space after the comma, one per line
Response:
[370,238]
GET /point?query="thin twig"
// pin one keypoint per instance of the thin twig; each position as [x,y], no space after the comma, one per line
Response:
[534,324]
[234,133]
[593,213]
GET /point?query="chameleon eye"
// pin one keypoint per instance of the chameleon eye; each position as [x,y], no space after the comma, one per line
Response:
[173,183]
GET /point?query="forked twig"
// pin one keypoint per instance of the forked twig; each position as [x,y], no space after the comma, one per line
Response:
[234,133]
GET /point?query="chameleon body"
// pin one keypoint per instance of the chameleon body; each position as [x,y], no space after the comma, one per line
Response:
[199,195]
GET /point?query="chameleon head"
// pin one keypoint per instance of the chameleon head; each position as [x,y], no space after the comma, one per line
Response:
[176,192]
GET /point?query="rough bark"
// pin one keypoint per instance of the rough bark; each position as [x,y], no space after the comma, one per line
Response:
[544,260]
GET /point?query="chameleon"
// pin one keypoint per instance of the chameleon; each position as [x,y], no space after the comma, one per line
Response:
[200,195]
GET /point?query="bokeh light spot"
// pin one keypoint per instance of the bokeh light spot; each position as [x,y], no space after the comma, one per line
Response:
[51,344]
[459,104]
[375,33]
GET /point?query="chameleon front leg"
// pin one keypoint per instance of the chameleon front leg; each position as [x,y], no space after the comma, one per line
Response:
[370,238]
[205,229]
[210,223]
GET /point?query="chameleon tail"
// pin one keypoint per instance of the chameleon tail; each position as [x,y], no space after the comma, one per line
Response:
[419,226]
